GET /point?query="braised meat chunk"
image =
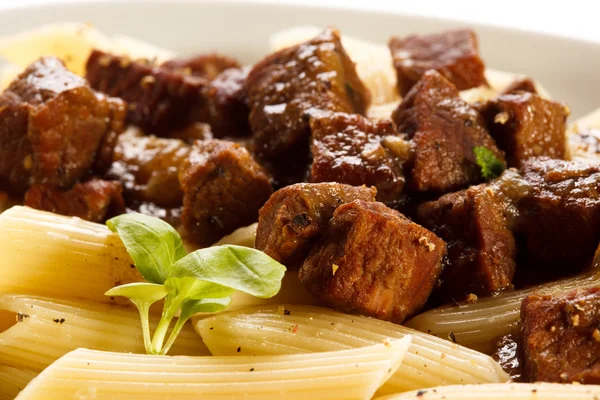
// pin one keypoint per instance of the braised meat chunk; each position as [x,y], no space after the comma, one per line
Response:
[445,130]
[351,149]
[561,337]
[295,215]
[95,200]
[525,125]
[481,247]
[288,86]
[223,189]
[227,111]
[160,101]
[54,129]
[559,219]
[374,261]
[454,54]
[207,66]
[149,167]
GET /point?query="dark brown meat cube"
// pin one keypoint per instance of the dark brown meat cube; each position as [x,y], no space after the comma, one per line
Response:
[481,246]
[297,214]
[521,85]
[16,160]
[160,101]
[287,87]
[374,261]
[561,337]
[207,66]
[454,54]
[525,125]
[54,129]
[559,218]
[445,130]
[223,189]
[226,103]
[95,200]
[351,149]
[149,168]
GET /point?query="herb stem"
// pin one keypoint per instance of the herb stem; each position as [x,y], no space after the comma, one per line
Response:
[176,329]
[144,312]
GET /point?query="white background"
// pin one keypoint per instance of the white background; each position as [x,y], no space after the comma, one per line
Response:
[573,18]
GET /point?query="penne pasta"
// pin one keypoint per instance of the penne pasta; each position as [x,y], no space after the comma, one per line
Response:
[512,391]
[292,291]
[382,111]
[8,72]
[72,43]
[46,330]
[245,236]
[50,255]
[13,380]
[349,374]
[292,329]
[584,138]
[479,325]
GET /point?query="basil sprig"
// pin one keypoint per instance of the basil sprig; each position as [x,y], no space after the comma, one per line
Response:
[202,281]
[491,166]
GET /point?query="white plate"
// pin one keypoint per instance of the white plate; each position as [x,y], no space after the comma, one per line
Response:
[567,67]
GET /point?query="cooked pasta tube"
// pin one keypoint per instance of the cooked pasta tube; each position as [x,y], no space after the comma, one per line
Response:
[512,391]
[373,60]
[73,42]
[293,329]
[47,329]
[479,325]
[347,374]
[584,138]
[51,255]
[245,236]
[292,291]
[13,380]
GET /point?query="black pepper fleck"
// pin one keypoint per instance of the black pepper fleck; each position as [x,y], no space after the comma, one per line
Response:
[59,320]
[212,327]
[421,393]
[21,317]
[239,349]
[251,369]
[287,312]
[452,337]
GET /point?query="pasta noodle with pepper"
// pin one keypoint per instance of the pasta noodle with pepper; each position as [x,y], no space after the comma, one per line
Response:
[48,329]
[293,329]
[349,374]
[479,325]
[513,391]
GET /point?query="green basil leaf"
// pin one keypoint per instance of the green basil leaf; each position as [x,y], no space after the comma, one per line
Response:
[153,244]
[194,289]
[236,267]
[491,166]
[191,307]
[140,294]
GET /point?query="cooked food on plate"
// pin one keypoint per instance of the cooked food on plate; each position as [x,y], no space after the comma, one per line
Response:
[338,220]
